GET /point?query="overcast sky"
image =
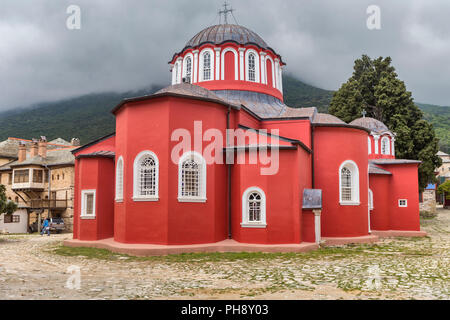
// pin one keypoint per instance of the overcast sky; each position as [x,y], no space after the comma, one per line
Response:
[126,45]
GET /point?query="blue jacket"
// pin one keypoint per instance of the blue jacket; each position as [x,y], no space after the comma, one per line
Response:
[45,223]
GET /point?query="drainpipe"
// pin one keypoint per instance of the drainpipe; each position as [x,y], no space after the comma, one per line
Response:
[229,174]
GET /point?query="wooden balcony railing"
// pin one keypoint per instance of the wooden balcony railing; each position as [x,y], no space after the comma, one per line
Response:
[48,203]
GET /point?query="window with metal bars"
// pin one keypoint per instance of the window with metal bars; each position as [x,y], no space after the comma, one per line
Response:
[254,207]
[251,67]
[188,70]
[147,177]
[206,66]
[346,184]
[190,179]
[385,145]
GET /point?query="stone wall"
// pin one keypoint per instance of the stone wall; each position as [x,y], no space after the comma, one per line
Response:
[428,201]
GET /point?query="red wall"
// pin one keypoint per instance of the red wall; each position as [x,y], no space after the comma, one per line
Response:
[169,221]
[403,184]
[380,184]
[95,174]
[333,146]
[230,83]
[283,193]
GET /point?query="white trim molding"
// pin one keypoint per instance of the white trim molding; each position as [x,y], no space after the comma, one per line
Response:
[195,79]
[197,158]
[245,209]
[354,171]
[375,142]
[137,177]
[84,194]
[272,63]
[369,144]
[119,179]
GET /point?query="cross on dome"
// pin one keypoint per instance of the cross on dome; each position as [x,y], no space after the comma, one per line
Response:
[225,11]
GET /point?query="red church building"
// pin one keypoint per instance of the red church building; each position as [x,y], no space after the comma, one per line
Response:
[217,159]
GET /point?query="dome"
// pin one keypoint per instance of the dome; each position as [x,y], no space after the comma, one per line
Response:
[371,124]
[221,33]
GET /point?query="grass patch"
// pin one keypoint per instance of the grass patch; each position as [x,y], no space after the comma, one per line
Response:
[338,252]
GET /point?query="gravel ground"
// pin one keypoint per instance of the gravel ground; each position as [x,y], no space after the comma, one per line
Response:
[396,268]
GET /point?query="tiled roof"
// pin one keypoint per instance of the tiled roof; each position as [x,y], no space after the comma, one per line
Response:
[100,154]
[220,33]
[55,157]
[323,118]
[370,123]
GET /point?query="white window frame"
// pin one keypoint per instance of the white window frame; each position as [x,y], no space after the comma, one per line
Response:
[353,167]
[84,194]
[370,199]
[272,63]
[191,56]
[257,65]
[136,177]
[385,140]
[202,183]
[245,218]
[119,188]
[369,144]
[201,57]
[403,205]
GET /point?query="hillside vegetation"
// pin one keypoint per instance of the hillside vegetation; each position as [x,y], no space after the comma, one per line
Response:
[88,116]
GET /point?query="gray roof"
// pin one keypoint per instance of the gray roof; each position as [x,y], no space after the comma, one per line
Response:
[324,118]
[394,161]
[55,157]
[374,169]
[221,33]
[370,123]
[10,147]
[442,154]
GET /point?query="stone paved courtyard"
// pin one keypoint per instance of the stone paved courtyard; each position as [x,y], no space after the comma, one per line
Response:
[36,267]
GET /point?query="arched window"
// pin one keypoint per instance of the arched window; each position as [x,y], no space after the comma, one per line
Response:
[251,67]
[206,66]
[370,200]
[146,177]
[254,208]
[385,146]
[119,179]
[349,183]
[188,69]
[192,178]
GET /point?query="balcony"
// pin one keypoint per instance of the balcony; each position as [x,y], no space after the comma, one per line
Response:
[46,203]
[28,179]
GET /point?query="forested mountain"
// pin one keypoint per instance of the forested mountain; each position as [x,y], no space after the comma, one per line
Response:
[88,116]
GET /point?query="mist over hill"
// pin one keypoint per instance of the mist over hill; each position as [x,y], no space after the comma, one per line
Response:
[88,116]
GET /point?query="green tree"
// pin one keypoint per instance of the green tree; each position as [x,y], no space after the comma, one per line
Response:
[6,206]
[445,189]
[375,87]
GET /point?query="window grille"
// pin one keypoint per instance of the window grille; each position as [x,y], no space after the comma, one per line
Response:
[188,70]
[254,207]
[147,177]
[207,66]
[346,184]
[190,179]
[251,67]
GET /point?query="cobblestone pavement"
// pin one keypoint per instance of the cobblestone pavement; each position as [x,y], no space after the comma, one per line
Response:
[397,268]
